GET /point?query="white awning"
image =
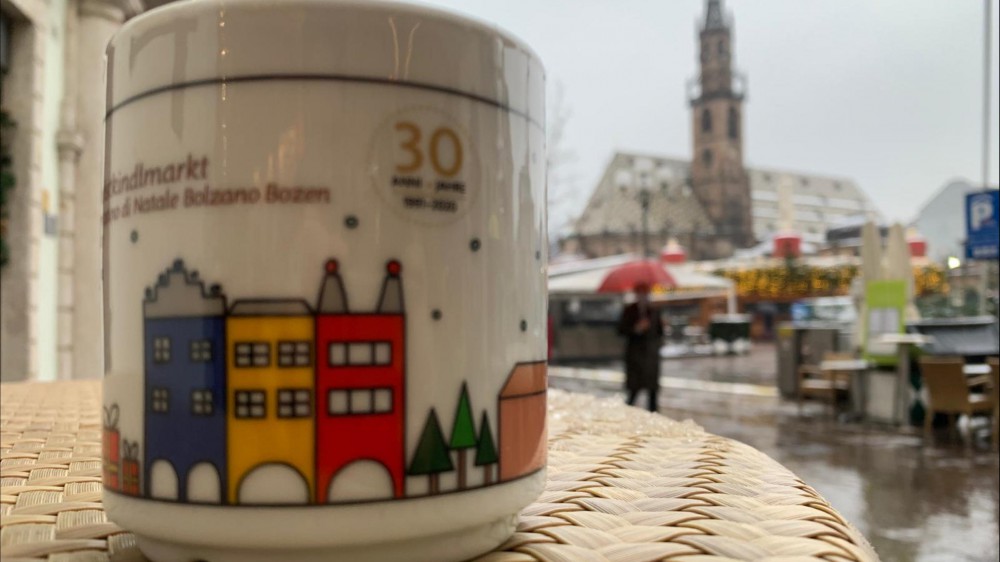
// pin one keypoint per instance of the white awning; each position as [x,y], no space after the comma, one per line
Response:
[586,276]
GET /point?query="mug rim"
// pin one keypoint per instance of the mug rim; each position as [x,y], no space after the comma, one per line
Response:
[497,66]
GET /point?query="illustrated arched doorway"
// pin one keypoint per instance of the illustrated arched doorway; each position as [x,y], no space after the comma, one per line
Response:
[360,481]
[163,480]
[204,484]
[273,483]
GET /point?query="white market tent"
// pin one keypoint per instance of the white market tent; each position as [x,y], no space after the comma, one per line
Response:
[583,277]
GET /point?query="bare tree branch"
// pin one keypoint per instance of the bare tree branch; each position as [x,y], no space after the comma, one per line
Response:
[561,182]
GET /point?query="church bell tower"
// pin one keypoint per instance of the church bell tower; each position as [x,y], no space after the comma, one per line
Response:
[718,178]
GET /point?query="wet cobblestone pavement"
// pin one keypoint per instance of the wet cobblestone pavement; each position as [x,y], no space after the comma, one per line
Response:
[914,502]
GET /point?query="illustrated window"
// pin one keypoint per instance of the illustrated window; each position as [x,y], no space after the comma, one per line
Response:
[360,354]
[359,401]
[201,402]
[161,400]
[251,404]
[294,403]
[382,400]
[201,351]
[253,354]
[383,353]
[161,349]
[338,403]
[337,354]
[294,354]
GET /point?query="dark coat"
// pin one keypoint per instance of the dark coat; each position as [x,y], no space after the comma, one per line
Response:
[642,350]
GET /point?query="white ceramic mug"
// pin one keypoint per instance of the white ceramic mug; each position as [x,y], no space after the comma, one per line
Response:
[324,281]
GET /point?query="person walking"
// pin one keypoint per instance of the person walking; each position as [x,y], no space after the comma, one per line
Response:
[642,327]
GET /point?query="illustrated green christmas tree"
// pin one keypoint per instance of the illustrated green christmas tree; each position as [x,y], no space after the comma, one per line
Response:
[486,451]
[432,456]
[463,433]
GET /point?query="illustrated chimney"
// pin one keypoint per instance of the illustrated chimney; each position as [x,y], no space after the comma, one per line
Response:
[391,301]
[332,297]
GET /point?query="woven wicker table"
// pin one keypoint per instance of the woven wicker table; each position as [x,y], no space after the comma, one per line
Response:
[623,485]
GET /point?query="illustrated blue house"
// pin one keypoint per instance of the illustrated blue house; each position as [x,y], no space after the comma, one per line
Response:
[185,382]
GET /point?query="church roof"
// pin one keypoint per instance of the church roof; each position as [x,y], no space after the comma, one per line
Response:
[614,206]
[819,201]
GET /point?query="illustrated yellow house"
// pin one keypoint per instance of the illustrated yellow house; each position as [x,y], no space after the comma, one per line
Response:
[270,402]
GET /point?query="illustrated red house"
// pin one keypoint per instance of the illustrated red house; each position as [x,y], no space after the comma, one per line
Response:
[360,383]
[521,411]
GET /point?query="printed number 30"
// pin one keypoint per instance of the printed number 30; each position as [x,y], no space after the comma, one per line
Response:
[411,144]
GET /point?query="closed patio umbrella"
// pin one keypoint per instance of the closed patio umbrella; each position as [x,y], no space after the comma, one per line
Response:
[871,252]
[898,266]
[871,270]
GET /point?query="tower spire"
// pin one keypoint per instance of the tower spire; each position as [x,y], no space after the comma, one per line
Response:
[713,15]
[391,300]
[332,297]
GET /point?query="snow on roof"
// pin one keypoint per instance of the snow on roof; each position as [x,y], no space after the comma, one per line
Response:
[583,264]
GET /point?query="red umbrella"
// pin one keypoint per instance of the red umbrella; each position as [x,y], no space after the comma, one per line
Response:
[624,278]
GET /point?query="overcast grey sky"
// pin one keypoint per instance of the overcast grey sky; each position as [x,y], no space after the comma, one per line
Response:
[885,92]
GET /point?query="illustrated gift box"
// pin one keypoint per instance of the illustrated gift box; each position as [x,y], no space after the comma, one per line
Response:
[130,467]
[111,444]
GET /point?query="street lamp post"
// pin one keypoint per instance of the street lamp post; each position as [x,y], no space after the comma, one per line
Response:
[986,266]
[644,202]
[644,195]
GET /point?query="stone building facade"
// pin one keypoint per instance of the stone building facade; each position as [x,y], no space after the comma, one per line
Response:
[53,89]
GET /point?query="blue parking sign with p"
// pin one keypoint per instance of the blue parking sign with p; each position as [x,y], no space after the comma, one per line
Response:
[982,220]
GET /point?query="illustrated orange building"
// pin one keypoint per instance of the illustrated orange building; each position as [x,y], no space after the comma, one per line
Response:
[521,417]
